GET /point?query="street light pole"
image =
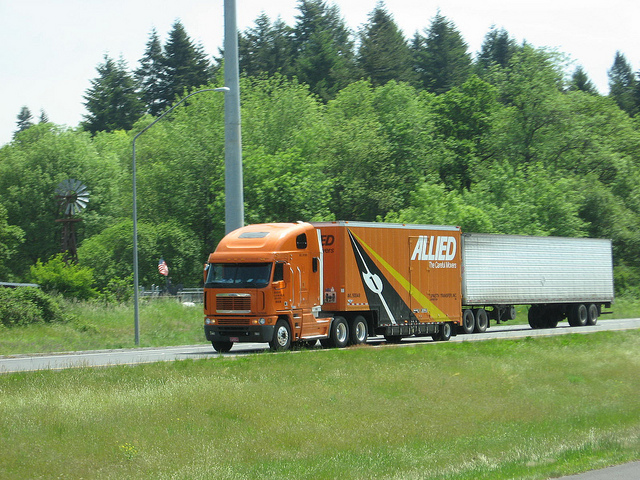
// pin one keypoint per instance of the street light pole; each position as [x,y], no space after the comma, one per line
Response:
[233,185]
[135,207]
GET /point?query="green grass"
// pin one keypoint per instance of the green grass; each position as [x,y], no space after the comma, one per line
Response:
[527,409]
[96,326]
[163,322]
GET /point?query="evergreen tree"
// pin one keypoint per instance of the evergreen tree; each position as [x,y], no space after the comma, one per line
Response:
[622,84]
[266,48]
[441,59]
[44,118]
[384,53]
[112,100]
[497,49]
[323,54]
[580,81]
[25,120]
[150,75]
[185,66]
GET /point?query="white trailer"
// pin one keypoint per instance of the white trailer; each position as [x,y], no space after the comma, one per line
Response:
[558,277]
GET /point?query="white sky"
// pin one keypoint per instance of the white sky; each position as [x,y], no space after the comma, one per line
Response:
[50,48]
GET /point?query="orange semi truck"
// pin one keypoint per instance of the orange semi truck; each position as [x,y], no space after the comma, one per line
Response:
[342,282]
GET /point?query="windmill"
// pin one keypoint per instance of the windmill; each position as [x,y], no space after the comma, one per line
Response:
[72,197]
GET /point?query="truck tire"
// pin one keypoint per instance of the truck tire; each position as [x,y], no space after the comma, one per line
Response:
[468,321]
[358,331]
[339,337]
[444,334]
[281,337]
[535,317]
[482,321]
[222,346]
[578,315]
[592,314]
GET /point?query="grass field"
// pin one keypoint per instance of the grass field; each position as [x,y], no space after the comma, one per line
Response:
[95,326]
[525,409]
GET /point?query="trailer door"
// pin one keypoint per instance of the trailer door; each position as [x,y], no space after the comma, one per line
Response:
[418,282]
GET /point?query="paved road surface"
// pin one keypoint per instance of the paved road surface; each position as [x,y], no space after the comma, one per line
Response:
[628,471]
[105,358]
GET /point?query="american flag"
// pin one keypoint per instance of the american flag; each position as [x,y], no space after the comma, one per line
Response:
[163,268]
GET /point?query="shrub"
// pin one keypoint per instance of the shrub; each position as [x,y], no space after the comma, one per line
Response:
[27,305]
[70,280]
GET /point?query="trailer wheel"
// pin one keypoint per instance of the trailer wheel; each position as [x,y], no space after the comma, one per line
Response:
[482,321]
[359,331]
[222,346]
[535,317]
[281,337]
[592,314]
[578,315]
[339,333]
[468,321]
[445,332]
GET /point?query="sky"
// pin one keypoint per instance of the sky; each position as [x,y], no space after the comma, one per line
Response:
[51,48]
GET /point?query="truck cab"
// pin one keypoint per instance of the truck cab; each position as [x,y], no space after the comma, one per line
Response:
[263,283]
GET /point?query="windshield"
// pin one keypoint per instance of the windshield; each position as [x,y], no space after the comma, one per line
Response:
[243,275]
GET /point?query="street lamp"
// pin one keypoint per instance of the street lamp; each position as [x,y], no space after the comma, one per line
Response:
[135,206]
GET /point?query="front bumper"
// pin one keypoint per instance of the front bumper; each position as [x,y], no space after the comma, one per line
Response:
[239,333]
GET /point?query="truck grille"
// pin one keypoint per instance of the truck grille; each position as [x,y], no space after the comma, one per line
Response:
[233,321]
[233,303]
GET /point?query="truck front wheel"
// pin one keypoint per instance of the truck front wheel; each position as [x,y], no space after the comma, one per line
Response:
[221,346]
[281,337]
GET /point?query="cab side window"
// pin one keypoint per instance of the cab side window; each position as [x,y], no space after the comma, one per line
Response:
[301,241]
[278,272]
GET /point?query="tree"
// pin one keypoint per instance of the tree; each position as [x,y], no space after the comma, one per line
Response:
[323,54]
[535,126]
[384,53]
[30,170]
[25,120]
[440,58]
[266,48]
[11,237]
[44,118]
[497,49]
[185,66]
[464,120]
[622,84]
[109,253]
[580,81]
[150,75]
[112,101]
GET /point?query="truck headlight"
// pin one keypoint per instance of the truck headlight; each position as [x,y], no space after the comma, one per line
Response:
[262,321]
[209,321]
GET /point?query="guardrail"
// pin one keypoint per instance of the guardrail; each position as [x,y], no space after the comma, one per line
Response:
[183,295]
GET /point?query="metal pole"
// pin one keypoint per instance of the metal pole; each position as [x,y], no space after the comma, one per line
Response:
[234,197]
[136,310]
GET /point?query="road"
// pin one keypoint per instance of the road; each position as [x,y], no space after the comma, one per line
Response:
[105,358]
